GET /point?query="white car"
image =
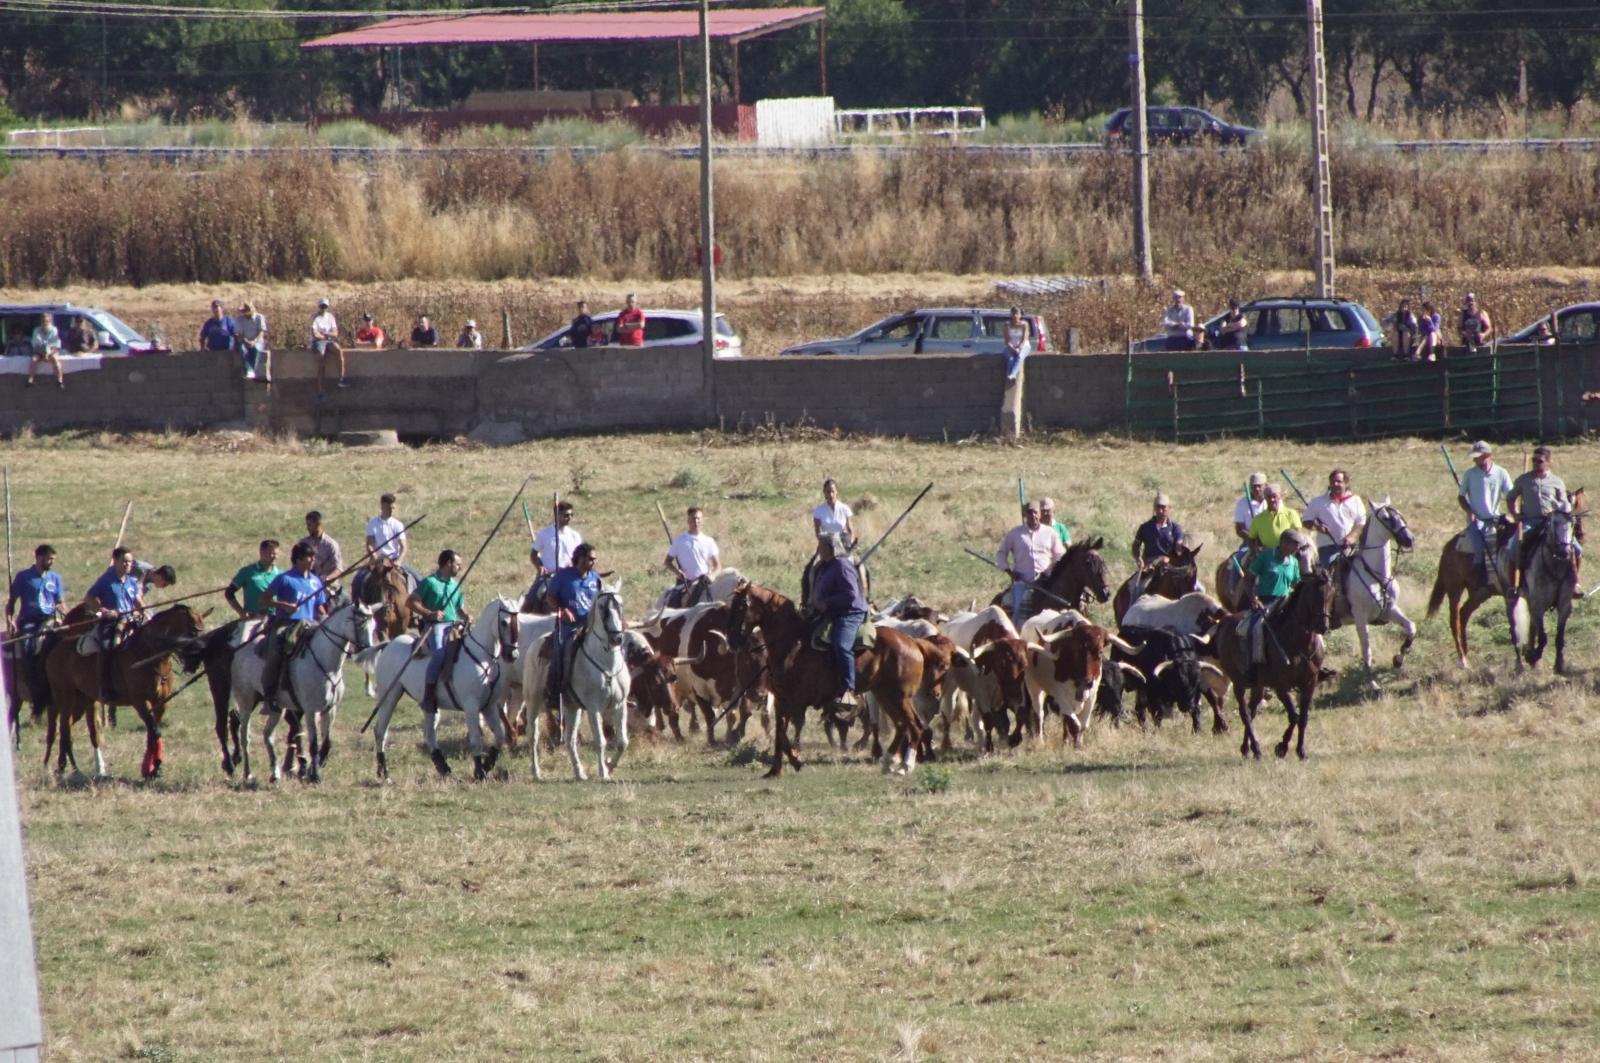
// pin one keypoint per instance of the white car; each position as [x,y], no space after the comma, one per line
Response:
[115,336]
[662,328]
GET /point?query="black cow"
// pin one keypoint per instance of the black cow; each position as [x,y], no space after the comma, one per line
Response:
[1175,674]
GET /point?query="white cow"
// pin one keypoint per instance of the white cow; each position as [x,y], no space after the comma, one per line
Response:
[1049,621]
[983,626]
[1181,614]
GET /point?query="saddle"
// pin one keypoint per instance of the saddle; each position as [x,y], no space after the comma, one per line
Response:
[684,595]
[866,636]
[1251,629]
[89,642]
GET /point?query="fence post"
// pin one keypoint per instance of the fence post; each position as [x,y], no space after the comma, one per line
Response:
[1350,397]
[1127,390]
[1494,382]
[1444,394]
[1172,386]
[1261,412]
[1538,388]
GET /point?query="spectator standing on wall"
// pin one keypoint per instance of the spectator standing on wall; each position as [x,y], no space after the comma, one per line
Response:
[81,338]
[325,343]
[1178,322]
[46,348]
[469,336]
[1477,331]
[250,337]
[1233,330]
[216,331]
[1405,332]
[369,334]
[423,334]
[582,326]
[630,323]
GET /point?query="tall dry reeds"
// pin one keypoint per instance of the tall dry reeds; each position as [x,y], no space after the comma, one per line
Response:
[631,215]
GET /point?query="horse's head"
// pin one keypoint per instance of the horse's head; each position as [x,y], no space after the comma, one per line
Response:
[1393,524]
[507,628]
[1089,569]
[178,622]
[606,617]
[365,622]
[1312,602]
[1562,524]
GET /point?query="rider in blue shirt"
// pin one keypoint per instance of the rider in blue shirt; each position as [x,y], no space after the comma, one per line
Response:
[836,594]
[40,593]
[297,596]
[571,595]
[115,598]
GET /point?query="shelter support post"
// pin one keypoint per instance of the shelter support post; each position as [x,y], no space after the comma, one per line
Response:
[822,55]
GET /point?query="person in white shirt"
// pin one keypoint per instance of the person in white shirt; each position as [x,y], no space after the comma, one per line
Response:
[552,549]
[1026,553]
[1337,516]
[469,336]
[386,542]
[325,344]
[833,517]
[695,559]
[1178,322]
[250,339]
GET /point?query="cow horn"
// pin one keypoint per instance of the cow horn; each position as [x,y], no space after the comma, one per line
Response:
[1131,670]
[208,612]
[1162,667]
[1123,644]
[713,632]
[1207,666]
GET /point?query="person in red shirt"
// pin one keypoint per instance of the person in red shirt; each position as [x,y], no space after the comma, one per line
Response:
[369,334]
[630,323]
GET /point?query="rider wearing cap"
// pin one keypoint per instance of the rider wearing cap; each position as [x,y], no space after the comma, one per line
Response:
[1158,538]
[296,597]
[437,600]
[1274,573]
[572,594]
[1025,554]
[1047,517]
[837,597]
[1485,489]
[1534,496]
[1337,517]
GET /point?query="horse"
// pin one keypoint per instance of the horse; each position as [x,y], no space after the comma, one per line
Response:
[597,684]
[1292,639]
[1078,577]
[1177,577]
[803,676]
[213,650]
[386,590]
[1458,579]
[312,681]
[19,684]
[1230,579]
[719,589]
[474,685]
[141,676]
[1371,595]
[1547,584]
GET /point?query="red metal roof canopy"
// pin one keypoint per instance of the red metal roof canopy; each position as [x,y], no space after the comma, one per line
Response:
[734,24]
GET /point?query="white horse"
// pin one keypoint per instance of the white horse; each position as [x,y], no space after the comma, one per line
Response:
[721,590]
[1548,584]
[474,686]
[1371,594]
[597,684]
[312,682]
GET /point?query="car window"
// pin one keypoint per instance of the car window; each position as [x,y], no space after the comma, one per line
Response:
[666,328]
[722,326]
[1159,119]
[952,327]
[1329,319]
[995,325]
[1579,327]
[904,329]
[1193,120]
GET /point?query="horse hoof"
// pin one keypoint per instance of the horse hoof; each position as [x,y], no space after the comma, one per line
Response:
[1302,754]
[440,765]
[478,772]
[490,759]
[1282,749]
[1399,661]
[383,767]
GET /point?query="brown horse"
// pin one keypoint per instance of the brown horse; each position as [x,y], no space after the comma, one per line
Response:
[802,676]
[1458,580]
[141,677]
[1077,578]
[1230,579]
[1292,651]
[1173,579]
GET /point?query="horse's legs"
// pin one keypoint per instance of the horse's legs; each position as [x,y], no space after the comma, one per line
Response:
[1295,716]
[1248,699]
[269,724]
[474,729]
[64,750]
[93,726]
[1410,629]
[310,733]
[153,746]
[50,732]
[569,728]
[535,723]
[1563,609]
[779,739]
[1458,626]
[619,724]
[1364,636]
[430,739]
[219,705]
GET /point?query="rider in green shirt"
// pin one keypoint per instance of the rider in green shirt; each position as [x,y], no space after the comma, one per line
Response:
[1274,573]
[437,600]
[248,590]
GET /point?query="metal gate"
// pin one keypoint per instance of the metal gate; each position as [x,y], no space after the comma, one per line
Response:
[1533,391]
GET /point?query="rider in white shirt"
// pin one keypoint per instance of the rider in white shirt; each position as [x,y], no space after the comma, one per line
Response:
[695,558]
[386,539]
[551,551]
[1338,517]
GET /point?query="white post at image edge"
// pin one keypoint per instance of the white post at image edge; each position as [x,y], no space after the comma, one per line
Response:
[21,1028]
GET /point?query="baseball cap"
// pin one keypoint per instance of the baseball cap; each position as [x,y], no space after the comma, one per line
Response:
[1162,499]
[1047,503]
[471,323]
[1480,448]
[1258,478]
[323,302]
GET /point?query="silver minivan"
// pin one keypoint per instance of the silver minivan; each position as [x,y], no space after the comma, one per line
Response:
[115,336]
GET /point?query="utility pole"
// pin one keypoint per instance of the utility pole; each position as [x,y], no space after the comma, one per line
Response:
[1141,143]
[708,265]
[1321,186]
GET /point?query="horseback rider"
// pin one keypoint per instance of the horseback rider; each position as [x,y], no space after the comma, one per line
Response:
[41,594]
[1247,509]
[296,597]
[158,576]
[252,582]
[1337,516]
[386,542]
[117,599]
[832,517]
[327,558]
[1273,574]
[695,559]
[1485,489]
[1047,517]
[572,594]
[1025,554]
[1534,496]
[437,600]
[1270,524]
[551,551]
[837,598]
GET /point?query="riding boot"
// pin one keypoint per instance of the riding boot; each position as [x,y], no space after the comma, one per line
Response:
[430,697]
[108,687]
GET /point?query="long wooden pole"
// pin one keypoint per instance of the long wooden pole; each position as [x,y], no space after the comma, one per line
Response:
[8,527]
[127,510]
[1141,143]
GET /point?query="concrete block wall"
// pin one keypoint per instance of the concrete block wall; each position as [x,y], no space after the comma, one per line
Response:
[595,389]
[1080,392]
[199,389]
[418,392]
[920,395]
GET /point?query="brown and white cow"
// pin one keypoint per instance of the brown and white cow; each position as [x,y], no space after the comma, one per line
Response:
[1067,668]
[709,673]
[972,631]
[984,686]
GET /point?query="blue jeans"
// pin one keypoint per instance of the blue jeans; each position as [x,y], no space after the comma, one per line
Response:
[435,638]
[841,643]
[1478,538]
[1014,361]
[557,679]
[1019,603]
[1327,555]
[250,353]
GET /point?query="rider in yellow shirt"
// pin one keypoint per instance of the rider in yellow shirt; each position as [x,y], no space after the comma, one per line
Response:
[1270,524]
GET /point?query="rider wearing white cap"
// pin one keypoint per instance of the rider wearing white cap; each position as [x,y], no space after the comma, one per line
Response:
[1485,491]
[1047,517]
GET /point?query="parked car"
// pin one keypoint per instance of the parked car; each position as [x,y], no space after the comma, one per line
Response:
[1283,324]
[116,336]
[1578,323]
[662,328]
[941,330]
[1179,125]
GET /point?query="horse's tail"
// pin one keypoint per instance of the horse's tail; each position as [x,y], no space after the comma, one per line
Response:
[367,659]
[1437,595]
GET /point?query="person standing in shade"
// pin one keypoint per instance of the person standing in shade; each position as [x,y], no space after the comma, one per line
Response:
[247,592]
[437,600]
[695,558]
[837,597]
[630,323]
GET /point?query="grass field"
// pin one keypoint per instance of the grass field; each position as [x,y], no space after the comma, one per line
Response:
[1424,887]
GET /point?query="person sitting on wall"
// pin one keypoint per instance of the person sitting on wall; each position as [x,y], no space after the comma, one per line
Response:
[423,334]
[370,334]
[469,336]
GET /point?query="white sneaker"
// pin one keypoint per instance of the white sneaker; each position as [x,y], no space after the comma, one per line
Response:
[249,374]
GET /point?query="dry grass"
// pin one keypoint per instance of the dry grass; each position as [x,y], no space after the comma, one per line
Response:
[624,214]
[1422,888]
